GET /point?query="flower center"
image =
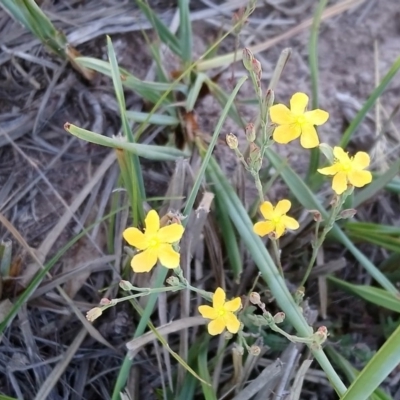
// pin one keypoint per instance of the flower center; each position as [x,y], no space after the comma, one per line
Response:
[276,220]
[154,242]
[221,312]
[301,120]
[346,166]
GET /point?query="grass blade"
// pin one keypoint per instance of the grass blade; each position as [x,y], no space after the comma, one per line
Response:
[352,373]
[150,152]
[154,119]
[313,62]
[377,370]
[369,103]
[162,30]
[208,390]
[372,294]
[185,31]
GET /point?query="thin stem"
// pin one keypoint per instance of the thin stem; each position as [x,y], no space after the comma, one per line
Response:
[319,240]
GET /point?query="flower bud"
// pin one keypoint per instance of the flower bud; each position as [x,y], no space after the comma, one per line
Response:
[279,317]
[254,159]
[93,314]
[254,298]
[316,215]
[347,214]
[228,335]
[269,98]
[250,131]
[173,281]
[256,67]
[247,59]
[254,350]
[105,302]
[232,141]
[321,335]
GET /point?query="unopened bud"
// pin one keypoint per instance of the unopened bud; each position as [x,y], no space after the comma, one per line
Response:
[126,285]
[299,295]
[254,350]
[250,131]
[279,317]
[254,298]
[105,302]
[321,335]
[254,159]
[256,68]
[317,216]
[347,214]
[227,335]
[93,314]
[232,141]
[269,98]
[173,281]
[247,59]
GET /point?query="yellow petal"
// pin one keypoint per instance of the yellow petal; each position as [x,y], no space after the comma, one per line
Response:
[290,223]
[267,210]
[339,183]
[263,228]
[218,298]
[332,170]
[360,178]
[170,233]
[309,137]
[282,207]
[135,238]
[316,117]
[341,155]
[208,312]
[298,103]
[216,327]
[284,134]
[279,229]
[144,261]
[232,323]
[361,160]
[281,115]
[169,258]
[233,305]
[152,222]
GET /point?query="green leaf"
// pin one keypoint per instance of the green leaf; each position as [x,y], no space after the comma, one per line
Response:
[195,91]
[208,390]
[309,201]
[155,119]
[185,30]
[352,373]
[313,62]
[369,103]
[372,294]
[162,30]
[151,152]
[377,370]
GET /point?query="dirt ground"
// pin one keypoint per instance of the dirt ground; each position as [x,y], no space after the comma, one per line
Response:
[50,184]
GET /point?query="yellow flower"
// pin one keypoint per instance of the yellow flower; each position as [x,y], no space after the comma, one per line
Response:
[155,243]
[276,219]
[347,169]
[222,313]
[93,314]
[297,122]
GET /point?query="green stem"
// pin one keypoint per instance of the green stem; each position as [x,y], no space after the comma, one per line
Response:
[319,240]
